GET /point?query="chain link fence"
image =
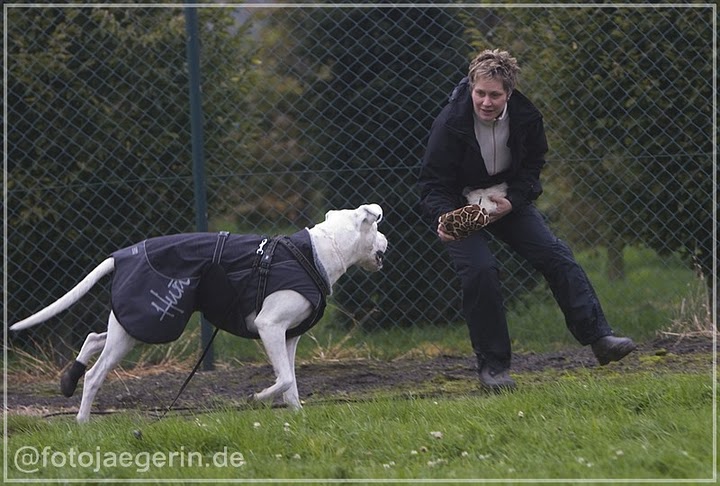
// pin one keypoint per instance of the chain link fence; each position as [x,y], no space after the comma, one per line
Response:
[309,108]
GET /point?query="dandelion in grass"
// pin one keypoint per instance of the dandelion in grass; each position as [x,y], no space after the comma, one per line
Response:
[521,414]
[436,435]
[464,454]
[413,452]
[584,462]
[296,456]
[256,425]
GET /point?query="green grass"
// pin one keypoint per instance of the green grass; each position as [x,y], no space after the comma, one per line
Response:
[577,426]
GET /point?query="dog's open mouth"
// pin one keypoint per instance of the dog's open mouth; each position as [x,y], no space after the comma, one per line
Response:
[379,255]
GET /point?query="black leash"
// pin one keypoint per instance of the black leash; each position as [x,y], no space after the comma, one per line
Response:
[217,255]
[192,373]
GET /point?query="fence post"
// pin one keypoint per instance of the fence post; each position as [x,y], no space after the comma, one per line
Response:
[196,123]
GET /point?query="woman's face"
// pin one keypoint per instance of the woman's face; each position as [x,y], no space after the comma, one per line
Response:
[489,98]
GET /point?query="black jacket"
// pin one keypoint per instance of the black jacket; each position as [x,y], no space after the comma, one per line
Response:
[453,159]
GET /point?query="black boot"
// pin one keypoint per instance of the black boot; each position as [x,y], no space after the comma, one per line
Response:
[495,378]
[611,348]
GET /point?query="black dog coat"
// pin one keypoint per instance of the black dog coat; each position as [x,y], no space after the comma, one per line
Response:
[160,282]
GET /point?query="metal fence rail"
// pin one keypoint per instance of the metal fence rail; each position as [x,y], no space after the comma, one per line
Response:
[310,108]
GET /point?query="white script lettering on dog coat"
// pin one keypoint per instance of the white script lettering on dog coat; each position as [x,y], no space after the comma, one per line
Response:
[168,302]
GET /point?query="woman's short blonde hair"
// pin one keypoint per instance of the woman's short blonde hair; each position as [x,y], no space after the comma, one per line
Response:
[494,64]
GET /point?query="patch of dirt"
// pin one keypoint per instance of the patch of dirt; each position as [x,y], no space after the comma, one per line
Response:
[342,380]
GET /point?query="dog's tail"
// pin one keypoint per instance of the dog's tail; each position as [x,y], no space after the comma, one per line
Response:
[68,299]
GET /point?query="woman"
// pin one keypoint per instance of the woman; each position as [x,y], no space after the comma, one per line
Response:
[489,133]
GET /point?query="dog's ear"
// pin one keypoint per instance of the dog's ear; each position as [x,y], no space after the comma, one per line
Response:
[373,213]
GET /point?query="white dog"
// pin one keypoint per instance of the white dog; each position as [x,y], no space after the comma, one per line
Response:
[152,300]
[482,196]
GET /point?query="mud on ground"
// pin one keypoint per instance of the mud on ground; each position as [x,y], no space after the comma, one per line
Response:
[342,380]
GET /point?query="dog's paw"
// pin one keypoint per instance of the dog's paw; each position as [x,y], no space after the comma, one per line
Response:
[295,407]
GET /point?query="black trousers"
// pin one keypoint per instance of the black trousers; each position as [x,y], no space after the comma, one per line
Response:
[525,231]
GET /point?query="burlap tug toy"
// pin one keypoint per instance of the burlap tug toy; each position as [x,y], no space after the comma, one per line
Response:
[462,222]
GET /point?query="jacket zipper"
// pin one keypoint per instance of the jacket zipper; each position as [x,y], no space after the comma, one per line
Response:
[494,144]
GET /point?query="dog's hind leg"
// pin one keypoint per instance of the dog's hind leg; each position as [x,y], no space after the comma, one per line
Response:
[291,396]
[117,344]
[94,343]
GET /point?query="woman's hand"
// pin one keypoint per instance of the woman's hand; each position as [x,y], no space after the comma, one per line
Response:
[444,237]
[504,206]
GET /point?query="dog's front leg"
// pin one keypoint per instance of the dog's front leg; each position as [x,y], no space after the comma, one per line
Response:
[291,396]
[281,311]
[273,339]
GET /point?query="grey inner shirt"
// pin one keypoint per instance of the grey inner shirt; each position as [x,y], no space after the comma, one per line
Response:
[492,137]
